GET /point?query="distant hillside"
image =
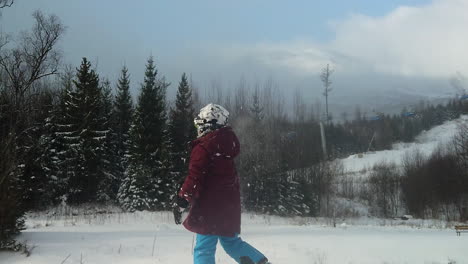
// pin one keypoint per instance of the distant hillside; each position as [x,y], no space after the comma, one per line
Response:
[426,142]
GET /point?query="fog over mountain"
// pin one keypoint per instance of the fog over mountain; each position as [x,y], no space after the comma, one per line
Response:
[383,55]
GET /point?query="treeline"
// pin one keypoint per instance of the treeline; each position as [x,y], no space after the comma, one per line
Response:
[71,140]
[97,147]
[282,165]
[83,144]
[380,131]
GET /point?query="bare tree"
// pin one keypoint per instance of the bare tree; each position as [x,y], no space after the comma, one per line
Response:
[256,109]
[280,105]
[324,176]
[30,58]
[34,56]
[197,101]
[268,96]
[384,187]
[227,102]
[325,76]
[6,3]
[215,93]
[240,98]
[461,142]
[299,107]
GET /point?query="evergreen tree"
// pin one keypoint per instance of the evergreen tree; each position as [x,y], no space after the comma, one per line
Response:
[109,184]
[123,112]
[256,109]
[65,129]
[49,166]
[254,163]
[38,170]
[181,132]
[289,196]
[85,136]
[280,194]
[122,120]
[50,161]
[145,186]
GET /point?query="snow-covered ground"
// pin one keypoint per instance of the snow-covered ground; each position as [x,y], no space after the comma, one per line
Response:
[153,238]
[426,143]
[139,238]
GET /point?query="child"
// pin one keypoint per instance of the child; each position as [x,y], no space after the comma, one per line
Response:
[212,190]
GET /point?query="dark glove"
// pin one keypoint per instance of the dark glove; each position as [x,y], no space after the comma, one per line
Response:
[177,214]
[181,202]
[178,204]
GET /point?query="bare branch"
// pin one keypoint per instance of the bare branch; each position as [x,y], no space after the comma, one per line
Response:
[35,56]
[6,164]
[65,259]
[6,3]
[3,40]
[325,77]
[32,57]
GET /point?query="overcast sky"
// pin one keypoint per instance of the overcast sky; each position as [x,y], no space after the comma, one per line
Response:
[403,45]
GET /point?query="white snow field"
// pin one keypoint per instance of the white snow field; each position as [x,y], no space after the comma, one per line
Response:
[129,238]
[426,143]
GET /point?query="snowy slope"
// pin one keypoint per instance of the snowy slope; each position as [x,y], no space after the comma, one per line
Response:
[426,143]
[129,238]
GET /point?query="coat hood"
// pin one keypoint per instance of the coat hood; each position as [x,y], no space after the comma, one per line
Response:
[221,142]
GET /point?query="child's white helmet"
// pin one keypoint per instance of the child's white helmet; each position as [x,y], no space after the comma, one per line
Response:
[211,117]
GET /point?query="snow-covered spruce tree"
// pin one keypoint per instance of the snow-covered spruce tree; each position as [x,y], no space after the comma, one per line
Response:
[253,161]
[62,157]
[52,146]
[122,120]
[145,185]
[290,199]
[309,194]
[181,132]
[281,194]
[39,175]
[87,138]
[110,182]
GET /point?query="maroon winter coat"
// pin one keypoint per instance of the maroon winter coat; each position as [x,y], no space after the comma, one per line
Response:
[212,185]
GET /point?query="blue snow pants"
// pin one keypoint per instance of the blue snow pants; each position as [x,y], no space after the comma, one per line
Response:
[205,248]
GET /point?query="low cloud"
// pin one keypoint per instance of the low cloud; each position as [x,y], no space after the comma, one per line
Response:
[414,41]
[425,41]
